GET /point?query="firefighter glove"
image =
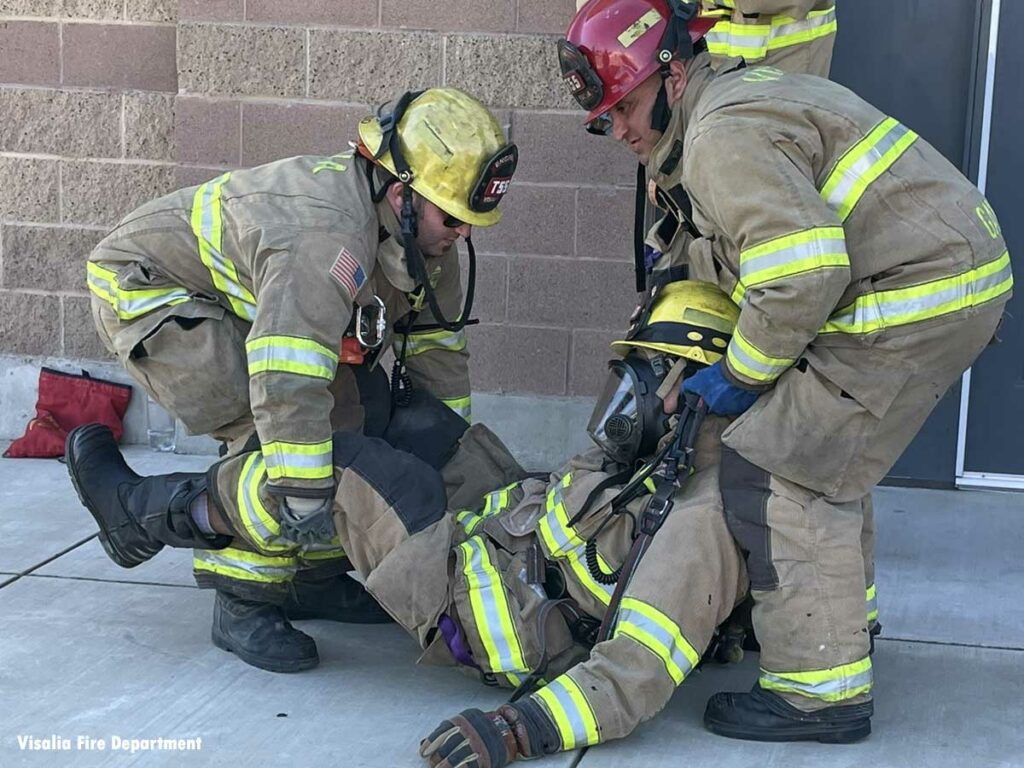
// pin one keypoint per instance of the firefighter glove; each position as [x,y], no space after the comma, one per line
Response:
[307,521]
[722,397]
[475,739]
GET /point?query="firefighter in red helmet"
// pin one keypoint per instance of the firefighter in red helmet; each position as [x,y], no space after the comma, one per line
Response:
[869,275]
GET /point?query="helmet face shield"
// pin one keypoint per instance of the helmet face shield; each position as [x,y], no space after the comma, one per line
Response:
[579,76]
[628,419]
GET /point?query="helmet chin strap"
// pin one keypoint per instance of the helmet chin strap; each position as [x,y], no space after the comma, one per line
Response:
[414,260]
[417,267]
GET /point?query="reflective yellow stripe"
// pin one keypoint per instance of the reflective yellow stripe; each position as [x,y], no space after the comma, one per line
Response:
[207,226]
[813,249]
[305,461]
[468,519]
[835,684]
[494,503]
[462,406]
[334,551]
[130,303]
[246,566]
[568,706]
[902,306]
[655,631]
[754,41]
[747,360]
[497,501]
[333,163]
[872,603]
[864,162]
[264,531]
[562,542]
[291,354]
[491,612]
[428,341]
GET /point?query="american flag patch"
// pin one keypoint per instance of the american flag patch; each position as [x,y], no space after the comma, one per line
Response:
[348,273]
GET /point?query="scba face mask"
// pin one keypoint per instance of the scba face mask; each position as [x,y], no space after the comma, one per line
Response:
[629,420]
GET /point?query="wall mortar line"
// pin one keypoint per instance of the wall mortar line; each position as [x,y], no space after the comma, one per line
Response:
[60,52]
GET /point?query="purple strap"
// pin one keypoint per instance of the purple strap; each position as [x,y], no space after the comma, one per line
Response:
[455,641]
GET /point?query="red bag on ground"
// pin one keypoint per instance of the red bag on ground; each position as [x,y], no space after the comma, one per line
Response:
[66,401]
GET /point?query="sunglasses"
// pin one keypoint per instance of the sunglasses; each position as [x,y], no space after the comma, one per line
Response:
[452,223]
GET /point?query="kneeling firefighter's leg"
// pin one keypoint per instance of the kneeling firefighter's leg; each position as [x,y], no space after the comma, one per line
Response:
[807,579]
[328,592]
[253,576]
[137,516]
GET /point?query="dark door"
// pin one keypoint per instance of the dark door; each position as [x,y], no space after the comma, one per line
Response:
[995,424]
[914,60]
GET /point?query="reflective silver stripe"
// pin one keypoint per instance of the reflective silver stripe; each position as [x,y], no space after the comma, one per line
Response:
[743,361]
[571,711]
[232,563]
[562,536]
[424,342]
[826,689]
[495,622]
[809,251]
[280,357]
[211,233]
[668,647]
[901,306]
[734,36]
[872,603]
[298,460]
[864,162]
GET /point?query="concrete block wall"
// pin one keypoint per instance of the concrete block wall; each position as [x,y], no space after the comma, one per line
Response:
[87,90]
[109,102]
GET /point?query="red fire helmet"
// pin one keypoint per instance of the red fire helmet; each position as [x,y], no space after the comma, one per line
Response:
[614,45]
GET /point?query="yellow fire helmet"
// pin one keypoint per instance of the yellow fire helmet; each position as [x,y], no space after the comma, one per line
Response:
[687,319]
[451,145]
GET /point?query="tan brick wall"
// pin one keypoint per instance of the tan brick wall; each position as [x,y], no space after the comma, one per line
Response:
[109,102]
[87,91]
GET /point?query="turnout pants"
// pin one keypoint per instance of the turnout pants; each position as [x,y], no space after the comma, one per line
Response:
[797,469]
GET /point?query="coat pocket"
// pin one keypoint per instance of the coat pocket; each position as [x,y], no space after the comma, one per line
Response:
[815,424]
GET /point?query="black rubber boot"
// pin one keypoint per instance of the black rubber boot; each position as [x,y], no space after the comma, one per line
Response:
[764,716]
[260,635]
[136,515]
[337,597]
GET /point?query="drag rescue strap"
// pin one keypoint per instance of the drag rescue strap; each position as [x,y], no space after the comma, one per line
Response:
[673,471]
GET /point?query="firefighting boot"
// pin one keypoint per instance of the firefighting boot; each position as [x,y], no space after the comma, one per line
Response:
[334,597]
[136,515]
[260,635]
[764,716]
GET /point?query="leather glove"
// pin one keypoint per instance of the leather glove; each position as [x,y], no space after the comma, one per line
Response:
[721,396]
[475,739]
[307,521]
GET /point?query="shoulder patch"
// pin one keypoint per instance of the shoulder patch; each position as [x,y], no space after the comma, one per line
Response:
[348,273]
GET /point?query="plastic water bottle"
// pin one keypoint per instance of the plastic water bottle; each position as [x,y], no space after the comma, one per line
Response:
[159,427]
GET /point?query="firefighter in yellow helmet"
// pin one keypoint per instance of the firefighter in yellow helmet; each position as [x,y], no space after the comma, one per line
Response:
[254,308]
[869,274]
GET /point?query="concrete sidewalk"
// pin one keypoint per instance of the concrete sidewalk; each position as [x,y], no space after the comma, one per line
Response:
[90,650]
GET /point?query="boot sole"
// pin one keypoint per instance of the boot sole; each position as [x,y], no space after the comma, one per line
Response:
[838,734]
[262,662]
[109,547]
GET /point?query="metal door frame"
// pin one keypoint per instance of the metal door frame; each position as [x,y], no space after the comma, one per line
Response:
[965,479]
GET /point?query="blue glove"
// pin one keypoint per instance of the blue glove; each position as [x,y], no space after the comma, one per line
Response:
[721,397]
